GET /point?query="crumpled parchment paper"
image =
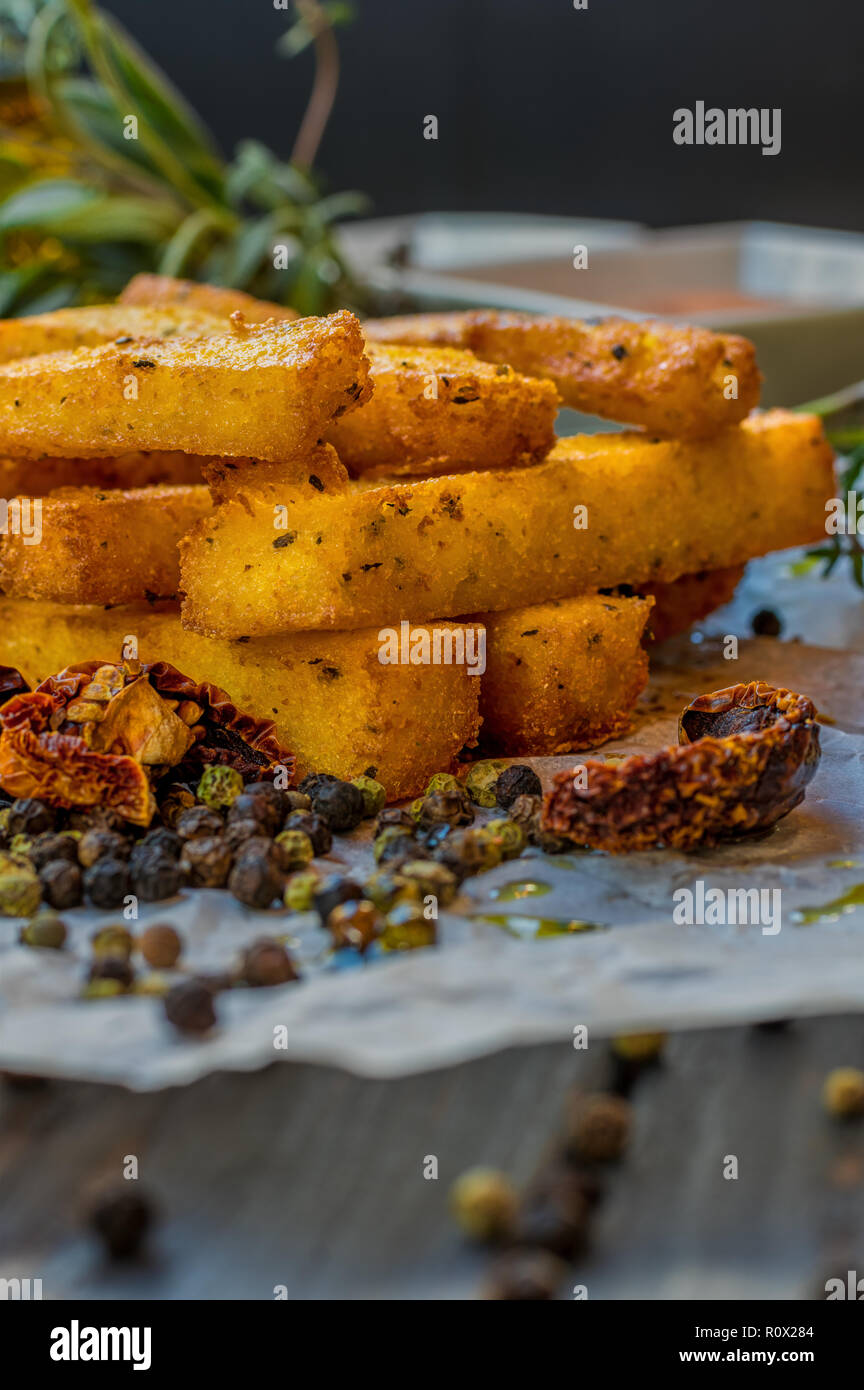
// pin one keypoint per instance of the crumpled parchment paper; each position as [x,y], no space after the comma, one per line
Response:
[492,984]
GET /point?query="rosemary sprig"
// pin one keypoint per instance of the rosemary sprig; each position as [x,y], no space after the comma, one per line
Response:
[842,416]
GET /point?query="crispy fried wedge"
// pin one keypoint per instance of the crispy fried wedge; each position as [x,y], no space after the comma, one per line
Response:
[102,323]
[37,477]
[562,675]
[334,704]
[602,510]
[262,390]
[438,410]
[162,290]
[319,471]
[94,546]
[679,381]
[689,599]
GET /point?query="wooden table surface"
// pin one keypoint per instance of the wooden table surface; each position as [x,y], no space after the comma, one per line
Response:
[308,1178]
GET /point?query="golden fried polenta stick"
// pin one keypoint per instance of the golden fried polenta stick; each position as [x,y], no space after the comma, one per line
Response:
[437,410]
[103,547]
[334,704]
[601,510]
[162,289]
[687,600]
[37,477]
[263,390]
[319,471]
[102,323]
[562,675]
[671,380]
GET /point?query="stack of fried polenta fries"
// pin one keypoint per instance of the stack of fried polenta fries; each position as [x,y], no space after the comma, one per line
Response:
[372,485]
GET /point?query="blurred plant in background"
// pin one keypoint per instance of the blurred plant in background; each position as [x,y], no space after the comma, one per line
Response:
[106,171]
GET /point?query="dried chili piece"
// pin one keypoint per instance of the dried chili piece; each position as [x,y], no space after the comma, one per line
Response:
[746,756]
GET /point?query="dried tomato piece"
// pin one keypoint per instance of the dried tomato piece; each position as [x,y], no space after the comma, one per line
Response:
[11,683]
[746,757]
[60,770]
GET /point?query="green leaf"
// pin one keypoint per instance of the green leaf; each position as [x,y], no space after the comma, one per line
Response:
[42,204]
[117,218]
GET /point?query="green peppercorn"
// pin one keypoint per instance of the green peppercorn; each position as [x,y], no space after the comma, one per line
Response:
[220,786]
[113,940]
[511,837]
[451,807]
[482,780]
[374,795]
[843,1092]
[315,827]
[354,924]
[103,989]
[429,879]
[114,969]
[296,801]
[300,890]
[4,823]
[638,1047]
[391,834]
[444,782]
[416,808]
[465,852]
[485,1204]
[20,889]
[21,846]
[295,849]
[46,929]
[407,928]
[386,889]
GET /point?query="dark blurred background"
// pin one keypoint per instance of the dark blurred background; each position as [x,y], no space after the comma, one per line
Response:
[543,108]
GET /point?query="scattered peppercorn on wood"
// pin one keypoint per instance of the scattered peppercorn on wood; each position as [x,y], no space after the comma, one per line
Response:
[259,390]
[602,510]
[103,547]
[333,703]
[437,410]
[672,380]
[562,675]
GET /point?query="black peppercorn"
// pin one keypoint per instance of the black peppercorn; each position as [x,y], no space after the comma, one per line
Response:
[239,831]
[49,847]
[395,815]
[115,968]
[312,781]
[207,862]
[272,795]
[340,804]
[315,827]
[766,623]
[107,882]
[517,780]
[448,807]
[554,1217]
[199,822]
[97,844]
[255,879]
[27,816]
[249,806]
[121,1218]
[333,891]
[176,799]
[156,877]
[189,1006]
[266,962]
[62,884]
[526,1276]
[397,849]
[165,840]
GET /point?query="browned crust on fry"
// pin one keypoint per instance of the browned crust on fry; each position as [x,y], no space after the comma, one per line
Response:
[670,379]
[677,606]
[438,410]
[488,541]
[746,778]
[38,477]
[562,675]
[96,324]
[212,299]
[262,390]
[314,474]
[103,546]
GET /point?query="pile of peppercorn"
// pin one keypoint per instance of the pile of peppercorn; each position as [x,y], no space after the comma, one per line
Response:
[259,842]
